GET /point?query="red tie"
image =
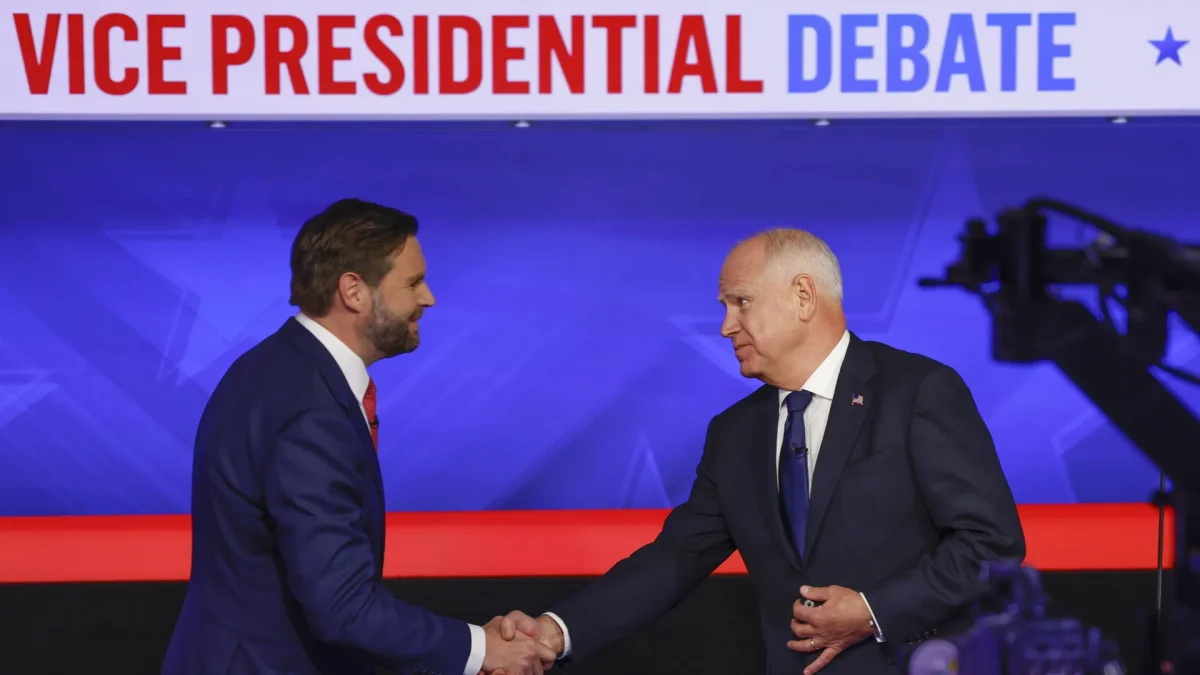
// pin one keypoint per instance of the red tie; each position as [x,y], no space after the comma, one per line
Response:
[369,406]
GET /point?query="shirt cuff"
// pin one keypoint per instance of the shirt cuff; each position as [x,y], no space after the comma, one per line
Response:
[478,650]
[566,635]
[874,623]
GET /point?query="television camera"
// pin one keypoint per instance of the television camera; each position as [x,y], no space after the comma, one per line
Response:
[1013,271]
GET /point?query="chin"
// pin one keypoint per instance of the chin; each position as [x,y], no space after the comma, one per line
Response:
[749,370]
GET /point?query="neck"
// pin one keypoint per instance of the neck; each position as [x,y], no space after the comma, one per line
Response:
[343,328]
[809,356]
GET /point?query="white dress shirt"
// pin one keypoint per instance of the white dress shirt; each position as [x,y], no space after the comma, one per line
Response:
[355,371]
[822,383]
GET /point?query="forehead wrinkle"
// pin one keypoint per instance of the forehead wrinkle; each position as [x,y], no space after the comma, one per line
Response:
[738,287]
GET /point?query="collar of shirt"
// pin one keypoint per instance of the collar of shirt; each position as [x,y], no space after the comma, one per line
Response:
[823,381]
[351,365]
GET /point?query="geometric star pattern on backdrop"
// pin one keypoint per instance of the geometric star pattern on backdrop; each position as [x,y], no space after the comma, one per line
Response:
[643,485]
[1168,47]
[230,270]
[20,389]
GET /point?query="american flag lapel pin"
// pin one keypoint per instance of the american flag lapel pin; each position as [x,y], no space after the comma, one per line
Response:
[857,400]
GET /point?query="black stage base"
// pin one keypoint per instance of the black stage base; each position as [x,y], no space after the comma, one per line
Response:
[68,629]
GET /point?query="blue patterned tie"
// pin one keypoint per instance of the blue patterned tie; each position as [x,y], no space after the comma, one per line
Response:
[793,468]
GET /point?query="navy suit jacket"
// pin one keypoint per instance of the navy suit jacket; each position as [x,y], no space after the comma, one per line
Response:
[288,532]
[908,500]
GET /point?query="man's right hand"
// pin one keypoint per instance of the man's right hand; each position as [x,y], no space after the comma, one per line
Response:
[512,652]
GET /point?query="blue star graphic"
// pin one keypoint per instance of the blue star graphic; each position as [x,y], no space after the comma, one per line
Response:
[232,271]
[20,390]
[1168,48]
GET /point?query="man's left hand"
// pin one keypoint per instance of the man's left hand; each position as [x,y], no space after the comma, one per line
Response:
[831,628]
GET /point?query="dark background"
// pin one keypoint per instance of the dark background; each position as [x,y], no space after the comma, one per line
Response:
[69,629]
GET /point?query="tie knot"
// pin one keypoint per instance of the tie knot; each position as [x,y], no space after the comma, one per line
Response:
[797,401]
[370,393]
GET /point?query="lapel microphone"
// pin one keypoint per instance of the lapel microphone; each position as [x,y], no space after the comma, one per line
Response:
[799,452]
[375,423]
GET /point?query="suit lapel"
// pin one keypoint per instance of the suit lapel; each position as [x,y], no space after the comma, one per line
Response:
[325,364]
[765,424]
[846,418]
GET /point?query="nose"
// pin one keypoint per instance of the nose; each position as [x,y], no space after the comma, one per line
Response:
[426,298]
[730,325]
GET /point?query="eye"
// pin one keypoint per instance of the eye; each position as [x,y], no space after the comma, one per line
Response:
[742,302]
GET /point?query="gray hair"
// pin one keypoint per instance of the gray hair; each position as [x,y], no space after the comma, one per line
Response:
[793,252]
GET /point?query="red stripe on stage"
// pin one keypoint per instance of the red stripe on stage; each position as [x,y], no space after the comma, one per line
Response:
[516,543]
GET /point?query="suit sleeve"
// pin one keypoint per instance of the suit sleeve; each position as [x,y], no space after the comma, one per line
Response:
[694,541]
[314,499]
[964,489]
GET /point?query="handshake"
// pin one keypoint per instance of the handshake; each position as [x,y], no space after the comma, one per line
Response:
[518,644]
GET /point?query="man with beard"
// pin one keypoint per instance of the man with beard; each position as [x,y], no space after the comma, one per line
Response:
[287,497]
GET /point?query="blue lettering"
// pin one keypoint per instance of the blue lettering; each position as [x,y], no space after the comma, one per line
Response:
[1008,24]
[797,24]
[908,62]
[1048,50]
[961,31]
[898,52]
[852,52]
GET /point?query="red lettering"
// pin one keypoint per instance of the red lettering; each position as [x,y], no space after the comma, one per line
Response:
[76,60]
[276,58]
[734,83]
[570,61]
[157,54]
[446,27]
[613,25]
[502,53]
[222,58]
[650,43]
[692,31]
[101,33]
[391,63]
[421,54]
[328,54]
[37,68]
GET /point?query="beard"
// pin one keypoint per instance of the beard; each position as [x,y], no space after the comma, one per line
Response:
[390,334]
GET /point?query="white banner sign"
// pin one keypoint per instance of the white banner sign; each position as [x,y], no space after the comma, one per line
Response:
[537,59]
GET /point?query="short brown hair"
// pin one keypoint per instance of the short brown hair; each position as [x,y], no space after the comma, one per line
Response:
[351,235]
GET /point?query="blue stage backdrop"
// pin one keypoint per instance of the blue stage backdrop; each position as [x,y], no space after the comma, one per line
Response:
[573,358]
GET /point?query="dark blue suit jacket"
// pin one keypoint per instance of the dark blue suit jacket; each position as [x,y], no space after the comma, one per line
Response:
[288,532]
[908,500]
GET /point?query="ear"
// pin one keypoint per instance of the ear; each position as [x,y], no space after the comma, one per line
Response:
[805,292]
[354,292]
